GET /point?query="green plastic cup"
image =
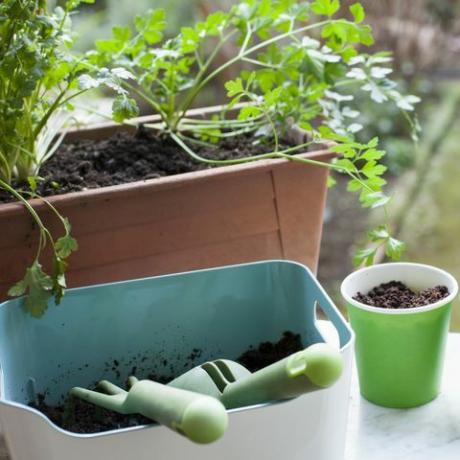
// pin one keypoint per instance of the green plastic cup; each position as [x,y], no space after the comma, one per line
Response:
[399,352]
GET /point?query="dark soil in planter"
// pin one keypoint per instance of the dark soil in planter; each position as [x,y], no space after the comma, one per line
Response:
[124,157]
[397,295]
[81,417]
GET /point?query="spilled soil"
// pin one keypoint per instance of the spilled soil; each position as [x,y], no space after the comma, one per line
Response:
[81,417]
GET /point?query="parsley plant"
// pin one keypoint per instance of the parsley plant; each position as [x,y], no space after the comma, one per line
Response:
[300,63]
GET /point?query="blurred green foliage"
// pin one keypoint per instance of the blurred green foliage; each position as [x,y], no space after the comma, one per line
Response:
[96,21]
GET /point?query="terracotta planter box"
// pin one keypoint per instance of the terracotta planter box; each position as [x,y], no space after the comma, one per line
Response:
[263,210]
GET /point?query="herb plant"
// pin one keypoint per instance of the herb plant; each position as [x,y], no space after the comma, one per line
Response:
[298,66]
[39,77]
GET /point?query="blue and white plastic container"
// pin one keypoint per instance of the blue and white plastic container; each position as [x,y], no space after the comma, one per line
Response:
[221,311]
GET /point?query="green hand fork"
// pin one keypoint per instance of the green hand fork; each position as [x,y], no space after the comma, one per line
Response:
[225,383]
[202,419]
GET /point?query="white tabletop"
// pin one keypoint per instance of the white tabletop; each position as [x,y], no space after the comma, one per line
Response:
[429,432]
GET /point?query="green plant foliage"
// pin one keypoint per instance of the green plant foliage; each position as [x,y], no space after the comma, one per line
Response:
[300,63]
[39,77]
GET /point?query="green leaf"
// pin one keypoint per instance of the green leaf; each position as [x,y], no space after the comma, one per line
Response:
[357,73]
[120,72]
[250,80]
[249,111]
[373,199]
[273,96]
[358,13]
[32,181]
[215,23]
[394,248]
[65,246]
[337,33]
[373,143]
[60,284]
[354,185]
[327,133]
[190,39]
[18,289]
[346,164]
[372,154]
[380,72]
[372,169]
[325,7]
[38,286]
[354,128]
[266,80]
[72,4]
[379,233]
[123,108]
[151,25]
[348,53]
[331,182]
[407,102]
[122,34]
[346,150]
[109,46]
[365,35]
[234,87]
[87,82]
[364,256]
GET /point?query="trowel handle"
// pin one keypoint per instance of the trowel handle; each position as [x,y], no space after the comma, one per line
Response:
[316,367]
[200,418]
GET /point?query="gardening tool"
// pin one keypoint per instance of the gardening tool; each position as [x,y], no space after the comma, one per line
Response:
[194,403]
[199,417]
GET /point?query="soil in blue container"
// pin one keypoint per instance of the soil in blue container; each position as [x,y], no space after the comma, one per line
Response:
[81,417]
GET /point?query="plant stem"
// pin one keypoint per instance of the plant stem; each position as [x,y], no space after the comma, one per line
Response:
[43,230]
[7,170]
[283,154]
[196,89]
[218,122]
[234,132]
[191,95]
[262,64]
[149,99]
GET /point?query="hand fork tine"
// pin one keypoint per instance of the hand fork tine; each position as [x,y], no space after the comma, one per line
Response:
[110,388]
[113,402]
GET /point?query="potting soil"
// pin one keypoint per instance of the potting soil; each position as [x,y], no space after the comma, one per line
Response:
[397,295]
[81,417]
[124,157]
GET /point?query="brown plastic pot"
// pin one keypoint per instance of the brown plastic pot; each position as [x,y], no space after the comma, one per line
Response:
[270,209]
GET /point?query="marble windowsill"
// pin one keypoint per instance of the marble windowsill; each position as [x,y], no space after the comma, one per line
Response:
[429,432]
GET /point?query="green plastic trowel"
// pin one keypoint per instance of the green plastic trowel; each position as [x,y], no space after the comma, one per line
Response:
[195,403]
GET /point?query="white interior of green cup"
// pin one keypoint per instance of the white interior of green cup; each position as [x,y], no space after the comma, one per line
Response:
[414,276]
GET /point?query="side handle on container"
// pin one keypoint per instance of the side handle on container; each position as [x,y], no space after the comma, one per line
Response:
[325,304]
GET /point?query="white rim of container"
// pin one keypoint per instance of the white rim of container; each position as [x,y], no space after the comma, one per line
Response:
[353,280]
